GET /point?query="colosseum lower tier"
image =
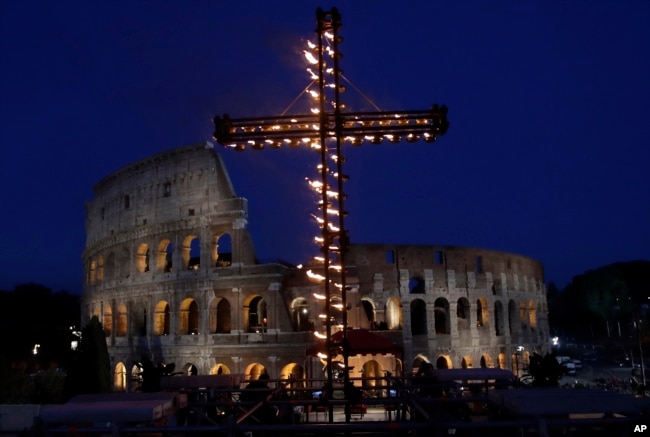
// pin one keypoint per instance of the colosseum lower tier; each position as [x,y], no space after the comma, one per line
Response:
[171,272]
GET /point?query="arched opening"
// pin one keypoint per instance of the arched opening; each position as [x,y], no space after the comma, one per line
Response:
[257,318]
[189,317]
[368,319]
[121,327]
[142,258]
[498,318]
[190,369]
[523,315]
[221,252]
[502,361]
[466,363]
[462,314]
[295,373]
[254,371]
[220,369]
[418,362]
[161,321]
[164,257]
[119,377]
[92,272]
[513,320]
[393,313]
[486,361]
[107,320]
[443,362]
[441,315]
[139,320]
[370,372]
[532,314]
[418,317]
[481,312]
[191,252]
[100,269]
[300,315]
[220,316]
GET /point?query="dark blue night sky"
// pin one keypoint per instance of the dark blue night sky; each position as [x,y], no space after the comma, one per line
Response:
[547,154]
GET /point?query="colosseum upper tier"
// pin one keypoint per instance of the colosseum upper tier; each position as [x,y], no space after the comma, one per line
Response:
[171,272]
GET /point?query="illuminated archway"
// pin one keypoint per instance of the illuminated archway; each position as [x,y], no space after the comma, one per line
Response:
[161,321]
[119,378]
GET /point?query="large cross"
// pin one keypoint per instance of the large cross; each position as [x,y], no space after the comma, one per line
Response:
[331,125]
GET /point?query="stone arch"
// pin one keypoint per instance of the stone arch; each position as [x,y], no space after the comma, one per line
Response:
[142,258]
[501,360]
[513,320]
[371,371]
[523,314]
[122,322]
[164,256]
[444,362]
[100,269]
[416,285]
[254,371]
[486,361]
[255,315]
[107,320]
[191,252]
[190,369]
[418,317]
[139,320]
[463,314]
[92,272]
[441,316]
[482,312]
[293,371]
[220,316]
[499,318]
[393,313]
[368,310]
[221,250]
[301,315]
[418,361]
[466,362]
[220,369]
[189,317]
[532,314]
[161,318]
[119,377]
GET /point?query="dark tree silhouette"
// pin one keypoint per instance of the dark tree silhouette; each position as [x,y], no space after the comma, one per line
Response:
[90,370]
[545,370]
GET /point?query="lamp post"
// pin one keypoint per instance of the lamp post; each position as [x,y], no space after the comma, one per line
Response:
[325,130]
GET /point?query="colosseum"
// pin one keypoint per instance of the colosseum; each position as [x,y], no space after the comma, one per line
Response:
[171,272]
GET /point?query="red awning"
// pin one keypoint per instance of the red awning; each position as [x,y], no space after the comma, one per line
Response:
[362,342]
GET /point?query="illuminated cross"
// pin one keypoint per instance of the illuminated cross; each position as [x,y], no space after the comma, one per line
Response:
[330,124]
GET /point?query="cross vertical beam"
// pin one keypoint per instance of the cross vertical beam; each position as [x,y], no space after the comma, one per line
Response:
[317,130]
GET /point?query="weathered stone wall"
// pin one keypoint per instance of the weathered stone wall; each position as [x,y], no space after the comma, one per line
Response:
[171,272]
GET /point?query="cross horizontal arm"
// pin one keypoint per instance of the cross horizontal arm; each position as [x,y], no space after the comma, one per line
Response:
[354,127]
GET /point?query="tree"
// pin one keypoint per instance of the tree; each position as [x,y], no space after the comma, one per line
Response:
[90,370]
[545,370]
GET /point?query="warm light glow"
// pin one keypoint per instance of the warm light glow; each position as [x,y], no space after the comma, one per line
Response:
[310,57]
[319,335]
[315,276]
[319,296]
